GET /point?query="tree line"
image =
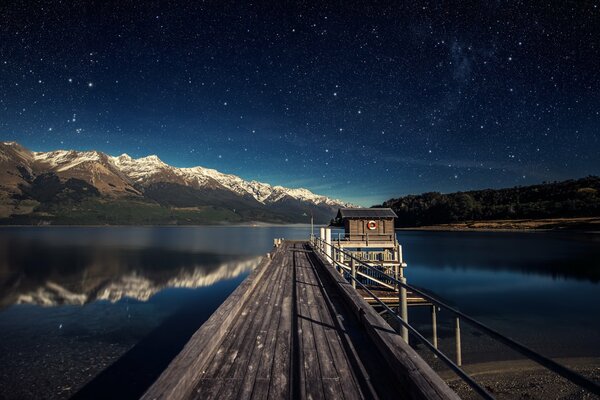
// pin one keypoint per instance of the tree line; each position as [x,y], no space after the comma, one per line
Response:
[571,198]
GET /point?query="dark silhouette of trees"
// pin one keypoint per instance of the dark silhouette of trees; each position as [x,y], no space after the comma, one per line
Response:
[572,198]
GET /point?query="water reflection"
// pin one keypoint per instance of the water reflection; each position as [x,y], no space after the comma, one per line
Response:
[109,307]
[538,288]
[35,273]
[124,300]
[555,255]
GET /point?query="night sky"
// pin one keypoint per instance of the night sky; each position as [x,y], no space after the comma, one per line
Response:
[357,101]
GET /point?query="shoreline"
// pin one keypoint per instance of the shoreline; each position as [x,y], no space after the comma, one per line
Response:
[580,225]
[512,379]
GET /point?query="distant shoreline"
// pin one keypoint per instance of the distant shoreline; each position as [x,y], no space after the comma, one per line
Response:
[585,224]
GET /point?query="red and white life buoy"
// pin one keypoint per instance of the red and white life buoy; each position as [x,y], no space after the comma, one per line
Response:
[372,225]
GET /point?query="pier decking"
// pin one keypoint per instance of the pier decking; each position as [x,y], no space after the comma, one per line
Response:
[296,329]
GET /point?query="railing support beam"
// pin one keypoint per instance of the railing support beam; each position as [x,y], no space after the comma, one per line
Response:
[353,271]
[457,340]
[434,325]
[328,244]
[322,241]
[403,309]
[546,362]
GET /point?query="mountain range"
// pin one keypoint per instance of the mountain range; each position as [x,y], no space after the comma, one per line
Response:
[91,187]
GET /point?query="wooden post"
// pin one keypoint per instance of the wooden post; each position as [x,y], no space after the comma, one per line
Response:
[457,338]
[434,325]
[328,245]
[353,270]
[403,308]
[400,259]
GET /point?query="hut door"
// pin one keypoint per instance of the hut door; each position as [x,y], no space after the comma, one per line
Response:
[361,228]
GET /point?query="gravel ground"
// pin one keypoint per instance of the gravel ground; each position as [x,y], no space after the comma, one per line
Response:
[523,380]
[54,370]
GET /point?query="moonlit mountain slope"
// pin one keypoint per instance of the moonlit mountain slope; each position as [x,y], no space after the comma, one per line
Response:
[70,183]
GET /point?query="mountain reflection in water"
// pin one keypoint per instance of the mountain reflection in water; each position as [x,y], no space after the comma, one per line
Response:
[109,307]
[128,298]
[77,275]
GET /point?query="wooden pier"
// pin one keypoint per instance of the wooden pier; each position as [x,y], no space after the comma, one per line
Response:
[295,329]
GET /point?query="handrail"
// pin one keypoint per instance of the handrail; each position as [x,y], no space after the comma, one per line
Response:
[544,361]
[343,236]
[454,367]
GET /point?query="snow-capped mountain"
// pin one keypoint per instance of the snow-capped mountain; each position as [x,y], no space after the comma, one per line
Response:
[151,169]
[66,176]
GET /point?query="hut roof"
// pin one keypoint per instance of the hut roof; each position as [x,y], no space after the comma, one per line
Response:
[359,213]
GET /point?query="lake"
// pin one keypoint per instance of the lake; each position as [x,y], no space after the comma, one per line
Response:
[104,307]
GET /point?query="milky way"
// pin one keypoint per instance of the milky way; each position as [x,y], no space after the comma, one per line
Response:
[360,102]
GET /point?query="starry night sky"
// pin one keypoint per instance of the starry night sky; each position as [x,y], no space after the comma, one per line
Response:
[356,101]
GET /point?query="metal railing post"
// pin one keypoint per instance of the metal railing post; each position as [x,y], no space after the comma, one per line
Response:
[353,271]
[403,308]
[458,348]
[434,325]
[546,362]
[328,244]
[322,234]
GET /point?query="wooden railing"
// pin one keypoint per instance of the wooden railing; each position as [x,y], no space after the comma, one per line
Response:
[369,256]
[366,237]
[355,273]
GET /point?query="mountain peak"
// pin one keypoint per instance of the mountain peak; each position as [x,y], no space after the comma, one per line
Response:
[192,188]
[151,159]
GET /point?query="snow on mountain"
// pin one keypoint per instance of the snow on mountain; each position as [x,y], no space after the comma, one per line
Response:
[117,175]
[145,170]
[150,169]
[62,160]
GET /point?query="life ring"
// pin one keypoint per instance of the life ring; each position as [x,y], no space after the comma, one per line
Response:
[372,225]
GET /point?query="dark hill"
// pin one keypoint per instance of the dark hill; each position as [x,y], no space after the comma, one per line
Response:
[567,199]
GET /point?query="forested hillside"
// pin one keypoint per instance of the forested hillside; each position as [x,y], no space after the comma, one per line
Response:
[572,198]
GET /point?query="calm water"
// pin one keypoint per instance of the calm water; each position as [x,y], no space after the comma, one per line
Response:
[542,289]
[101,308]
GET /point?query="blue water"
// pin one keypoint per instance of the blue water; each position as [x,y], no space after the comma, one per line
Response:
[76,301]
[542,289]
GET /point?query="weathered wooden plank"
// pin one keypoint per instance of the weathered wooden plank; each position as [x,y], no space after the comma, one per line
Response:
[348,386]
[259,388]
[420,381]
[232,369]
[323,326]
[212,382]
[182,374]
[280,372]
[246,349]
[263,336]
[212,377]
[311,372]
